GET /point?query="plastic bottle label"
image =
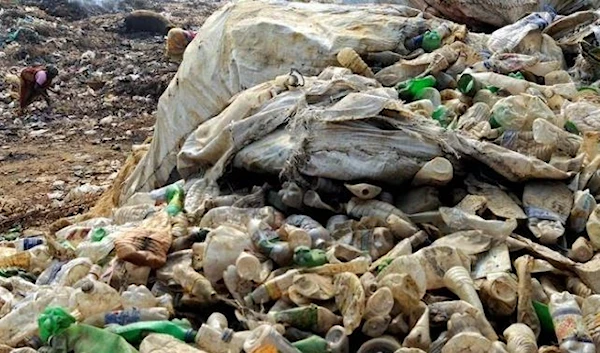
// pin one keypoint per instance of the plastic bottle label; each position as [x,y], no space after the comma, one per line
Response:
[29,243]
[123,317]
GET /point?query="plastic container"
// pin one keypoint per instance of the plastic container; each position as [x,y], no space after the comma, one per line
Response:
[266,339]
[568,324]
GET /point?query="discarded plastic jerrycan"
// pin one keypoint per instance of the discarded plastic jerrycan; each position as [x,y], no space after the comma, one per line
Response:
[384,344]
[436,172]
[134,333]
[194,283]
[127,316]
[265,339]
[94,297]
[568,324]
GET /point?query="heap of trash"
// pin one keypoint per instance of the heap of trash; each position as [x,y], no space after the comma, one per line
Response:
[333,178]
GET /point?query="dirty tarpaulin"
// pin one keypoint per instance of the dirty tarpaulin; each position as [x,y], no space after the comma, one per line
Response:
[248,43]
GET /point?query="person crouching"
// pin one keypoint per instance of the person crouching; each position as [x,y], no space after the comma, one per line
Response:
[177,40]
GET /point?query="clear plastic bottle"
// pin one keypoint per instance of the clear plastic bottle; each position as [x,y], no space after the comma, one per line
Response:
[139,296]
[127,316]
[568,324]
[94,297]
[266,339]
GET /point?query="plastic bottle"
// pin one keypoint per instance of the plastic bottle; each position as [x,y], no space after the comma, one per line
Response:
[194,283]
[97,251]
[411,89]
[214,336]
[175,198]
[583,205]
[94,297]
[312,344]
[384,344]
[436,172]
[134,333]
[72,272]
[139,296]
[266,339]
[337,339]
[127,316]
[21,323]
[320,236]
[35,259]
[593,227]
[431,94]
[306,257]
[188,241]
[28,243]
[311,318]
[278,251]
[84,338]
[568,324]
[468,85]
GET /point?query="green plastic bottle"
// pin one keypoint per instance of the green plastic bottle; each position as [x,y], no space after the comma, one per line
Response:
[81,338]
[431,41]
[135,333]
[175,198]
[312,344]
[468,85]
[60,330]
[306,257]
[411,89]
[443,115]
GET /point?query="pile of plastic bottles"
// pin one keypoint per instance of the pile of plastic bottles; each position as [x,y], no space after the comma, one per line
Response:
[454,261]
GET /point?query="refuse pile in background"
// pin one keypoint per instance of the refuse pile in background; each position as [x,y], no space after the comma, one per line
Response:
[441,197]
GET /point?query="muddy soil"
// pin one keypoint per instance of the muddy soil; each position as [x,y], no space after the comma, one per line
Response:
[109,85]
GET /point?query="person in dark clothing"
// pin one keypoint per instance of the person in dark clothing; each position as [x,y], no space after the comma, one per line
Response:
[35,81]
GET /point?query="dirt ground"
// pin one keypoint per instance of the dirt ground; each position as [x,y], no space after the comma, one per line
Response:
[109,84]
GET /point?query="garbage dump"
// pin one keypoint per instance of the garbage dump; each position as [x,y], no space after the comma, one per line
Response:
[364,179]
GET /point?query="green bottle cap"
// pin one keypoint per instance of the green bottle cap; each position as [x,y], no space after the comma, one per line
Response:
[431,41]
[98,234]
[518,75]
[306,257]
[494,123]
[53,321]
